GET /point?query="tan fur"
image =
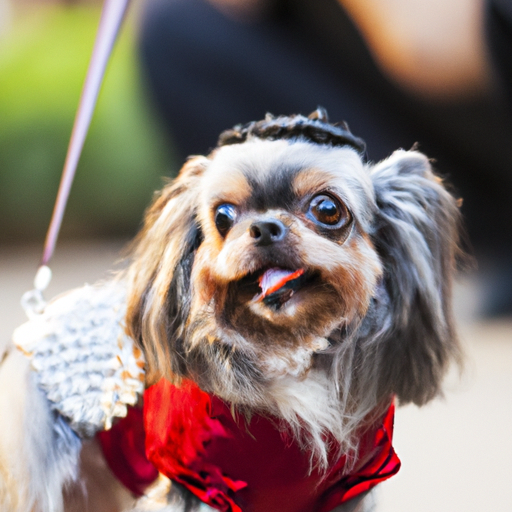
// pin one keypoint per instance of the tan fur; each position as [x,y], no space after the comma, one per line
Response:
[158,247]
[310,181]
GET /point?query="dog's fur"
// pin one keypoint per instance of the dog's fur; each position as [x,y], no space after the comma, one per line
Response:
[373,320]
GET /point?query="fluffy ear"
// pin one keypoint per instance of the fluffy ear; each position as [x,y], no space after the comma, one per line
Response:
[159,276]
[416,234]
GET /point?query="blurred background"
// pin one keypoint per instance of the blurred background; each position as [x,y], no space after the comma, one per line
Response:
[400,72]
[45,48]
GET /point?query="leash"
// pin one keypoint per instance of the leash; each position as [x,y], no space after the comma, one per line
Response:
[112,16]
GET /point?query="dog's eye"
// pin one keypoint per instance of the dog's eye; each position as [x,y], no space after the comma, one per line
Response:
[225,216]
[327,210]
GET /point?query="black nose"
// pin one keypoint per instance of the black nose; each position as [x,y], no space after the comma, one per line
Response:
[267,232]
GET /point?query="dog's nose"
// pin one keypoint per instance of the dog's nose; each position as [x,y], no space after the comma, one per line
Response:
[267,232]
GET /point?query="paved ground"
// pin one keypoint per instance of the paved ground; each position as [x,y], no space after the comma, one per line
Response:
[456,452]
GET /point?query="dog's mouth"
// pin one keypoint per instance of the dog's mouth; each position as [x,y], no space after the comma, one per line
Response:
[278,286]
[274,286]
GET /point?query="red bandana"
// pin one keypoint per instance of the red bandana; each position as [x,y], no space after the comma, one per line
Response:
[192,438]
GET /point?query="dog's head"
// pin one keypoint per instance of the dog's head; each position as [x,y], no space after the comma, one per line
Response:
[283,253]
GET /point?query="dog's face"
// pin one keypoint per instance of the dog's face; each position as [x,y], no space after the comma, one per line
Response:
[280,258]
[286,258]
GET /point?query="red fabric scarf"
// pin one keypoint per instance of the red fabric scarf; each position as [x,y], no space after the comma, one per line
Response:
[235,466]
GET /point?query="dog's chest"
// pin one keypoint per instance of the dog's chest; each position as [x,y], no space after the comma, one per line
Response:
[237,465]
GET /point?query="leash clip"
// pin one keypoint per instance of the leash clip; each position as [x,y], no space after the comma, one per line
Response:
[33,302]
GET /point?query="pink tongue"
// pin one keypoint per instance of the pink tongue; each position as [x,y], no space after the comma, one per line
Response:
[275,278]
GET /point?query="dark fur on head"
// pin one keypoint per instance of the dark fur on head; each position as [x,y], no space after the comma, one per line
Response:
[314,128]
[374,317]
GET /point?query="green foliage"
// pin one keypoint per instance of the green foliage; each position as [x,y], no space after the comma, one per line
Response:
[43,61]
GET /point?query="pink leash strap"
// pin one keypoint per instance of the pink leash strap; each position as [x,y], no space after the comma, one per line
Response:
[112,16]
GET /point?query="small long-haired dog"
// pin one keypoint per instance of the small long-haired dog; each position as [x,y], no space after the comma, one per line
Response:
[281,296]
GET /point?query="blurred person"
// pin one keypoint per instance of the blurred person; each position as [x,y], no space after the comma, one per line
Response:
[400,72]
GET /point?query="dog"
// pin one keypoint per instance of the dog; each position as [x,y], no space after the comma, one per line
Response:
[281,296]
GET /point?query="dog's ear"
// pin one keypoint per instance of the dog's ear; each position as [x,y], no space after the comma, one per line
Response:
[416,234]
[159,276]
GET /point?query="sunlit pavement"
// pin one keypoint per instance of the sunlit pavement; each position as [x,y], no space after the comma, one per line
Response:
[456,453]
